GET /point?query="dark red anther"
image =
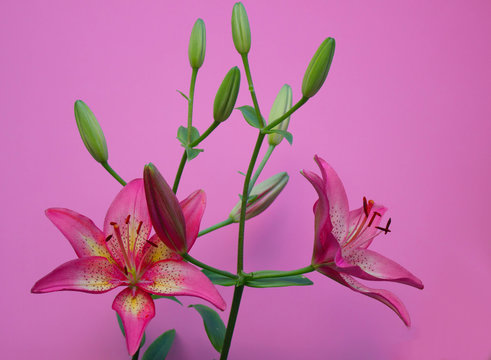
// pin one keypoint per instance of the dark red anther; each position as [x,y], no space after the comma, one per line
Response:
[151,243]
[125,270]
[112,223]
[127,220]
[373,217]
[109,238]
[139,227]
[386,229]
[365,207]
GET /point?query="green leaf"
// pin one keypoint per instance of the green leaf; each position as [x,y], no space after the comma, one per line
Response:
[121,327]
[286,134]
[241,173]
[173,298]
[293,280]
[214,326]
[159,349]
[249,115]
[182,135]
[192,153]
[185,97]
[218,279]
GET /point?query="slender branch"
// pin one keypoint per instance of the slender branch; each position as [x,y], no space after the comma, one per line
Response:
[261,166]
[114,174]
[231,321]
[276,274]
[191,103]
[179,171]
[216,227]
[196,262]
[247,69]
[207,132]
[275,122]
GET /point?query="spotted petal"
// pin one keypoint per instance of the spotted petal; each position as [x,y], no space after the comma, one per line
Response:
[370,265]
[92,274]
[384,296]
[136,309]
[325,244]
[171,277]
[155,250]
[85,238]
[129,211]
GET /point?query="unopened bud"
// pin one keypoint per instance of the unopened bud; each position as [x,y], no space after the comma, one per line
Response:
[91,132]
[241,32]
[197,44]
[317,71]
[262,195]
[164,209]
[281,105]
[227,95]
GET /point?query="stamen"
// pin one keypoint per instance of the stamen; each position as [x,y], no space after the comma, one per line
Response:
[126,271]
[373,217]
[109,238]
[112,223]
[152,243]
[139,227]
[386,229]
[127,220]
[365,208]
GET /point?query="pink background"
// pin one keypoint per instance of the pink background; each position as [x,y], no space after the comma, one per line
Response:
[404,118]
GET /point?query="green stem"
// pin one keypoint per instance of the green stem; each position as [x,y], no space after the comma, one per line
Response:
[247,69]
[179,172]
[245,191]
[301,271]
[115,175]
[275,122]
[261,166]
[205,134]
[196,262]
[234,311]
[137,355]
[191,103]
[215,227]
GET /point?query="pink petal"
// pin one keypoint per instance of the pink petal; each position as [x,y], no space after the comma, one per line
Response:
[136,309]
[85,238]
[369,265]
[325,244]
[338,200]
[155,250]
[365,237]
[171,277]
[384,296]
[92,274]
[131,202]
[193,208]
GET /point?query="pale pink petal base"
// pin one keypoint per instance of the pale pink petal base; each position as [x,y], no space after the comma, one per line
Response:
[384,296]
[89,274]
[171,277]
[136,309]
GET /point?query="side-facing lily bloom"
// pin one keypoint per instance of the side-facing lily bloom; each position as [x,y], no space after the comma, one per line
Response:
[342,238]
[123,255]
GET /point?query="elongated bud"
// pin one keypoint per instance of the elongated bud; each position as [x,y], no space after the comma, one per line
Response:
[227,95]
[317,71]
[197,44]
[281,105]
[262,195]
[241,32]
[91,132]
[165,211]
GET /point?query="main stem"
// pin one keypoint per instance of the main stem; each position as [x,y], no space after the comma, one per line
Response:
[231,321]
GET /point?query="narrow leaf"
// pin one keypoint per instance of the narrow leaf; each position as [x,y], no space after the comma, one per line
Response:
[286,134]
[173,298]
[241,173]
[182,135]
[294,280]
[159,349]
[185,97]
[192,153]
[249,115]
[214,326]
[218,279]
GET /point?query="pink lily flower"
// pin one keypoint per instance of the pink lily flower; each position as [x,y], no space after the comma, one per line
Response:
[123,255]
[342,238]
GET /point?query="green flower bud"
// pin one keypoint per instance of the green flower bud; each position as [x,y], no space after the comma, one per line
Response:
[227,95]
[262,195]
[281,105]
[91,132]
[197,44]
[241,32]
[316,72]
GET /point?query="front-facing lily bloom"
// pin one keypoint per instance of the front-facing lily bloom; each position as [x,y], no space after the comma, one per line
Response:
[342,238]
[123,255]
